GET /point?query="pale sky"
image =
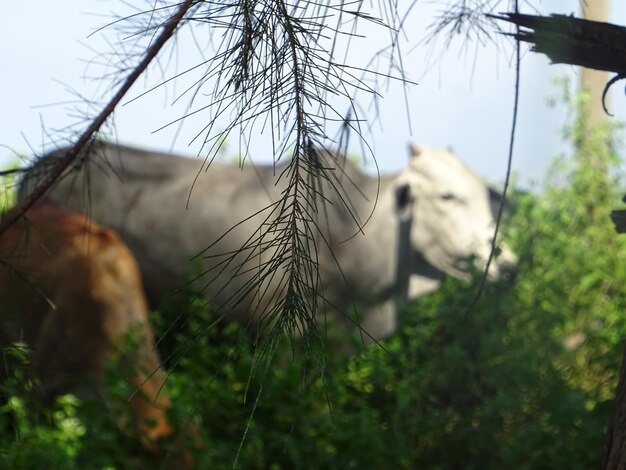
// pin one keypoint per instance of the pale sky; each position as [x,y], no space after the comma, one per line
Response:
[461,102]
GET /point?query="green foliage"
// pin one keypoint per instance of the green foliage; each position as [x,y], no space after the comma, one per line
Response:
[522,380]
[8,187]
[70,432]
[25,443]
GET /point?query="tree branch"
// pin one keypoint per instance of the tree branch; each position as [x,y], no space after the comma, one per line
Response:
[169,28]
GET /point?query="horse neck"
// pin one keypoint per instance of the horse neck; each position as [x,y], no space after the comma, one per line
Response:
[376,243]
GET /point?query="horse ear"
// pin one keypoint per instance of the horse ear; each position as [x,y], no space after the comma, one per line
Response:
[414,151]
[403,196]
[404,200]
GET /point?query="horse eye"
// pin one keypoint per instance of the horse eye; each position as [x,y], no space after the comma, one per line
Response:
[447,197]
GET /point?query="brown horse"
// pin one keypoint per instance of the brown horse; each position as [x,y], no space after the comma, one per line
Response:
[71,290]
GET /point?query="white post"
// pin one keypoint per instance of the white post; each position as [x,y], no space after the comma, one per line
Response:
[595,80]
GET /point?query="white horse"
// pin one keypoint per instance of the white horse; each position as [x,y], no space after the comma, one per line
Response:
[380,241]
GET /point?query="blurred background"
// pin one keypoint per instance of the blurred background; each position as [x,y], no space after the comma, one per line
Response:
[463,99]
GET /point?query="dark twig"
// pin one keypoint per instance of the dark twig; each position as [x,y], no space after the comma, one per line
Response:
[13,171]
[608,85]
[507,178]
